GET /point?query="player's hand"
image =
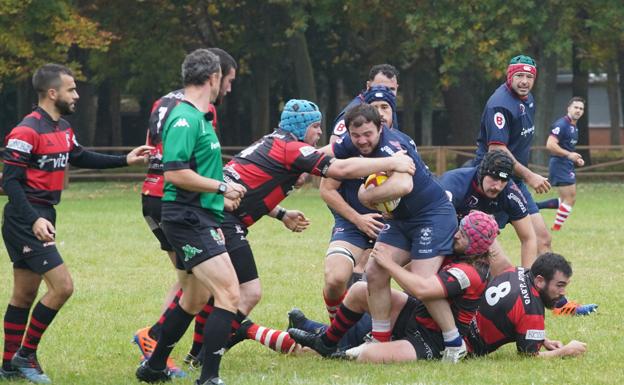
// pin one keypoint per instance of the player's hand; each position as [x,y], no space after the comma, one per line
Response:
[44,230]
[552,344]
[234,191]
[370,224]
[295,221]
[576,158]
[403,163]
[540,184]
[575,348]
[231,204]
[384,260]
[301,180]
[139,155]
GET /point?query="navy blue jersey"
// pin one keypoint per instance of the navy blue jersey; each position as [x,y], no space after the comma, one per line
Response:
[510,311]
[507,120]
[566,133]
[426,193]
[463,188]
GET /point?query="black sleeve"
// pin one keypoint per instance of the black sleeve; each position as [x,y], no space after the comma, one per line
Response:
[12,178]
[89,159]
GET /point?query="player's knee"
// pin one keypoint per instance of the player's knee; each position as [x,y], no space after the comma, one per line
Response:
[249,299]
[24,299]
[64,290]
[228,297]
[336,279]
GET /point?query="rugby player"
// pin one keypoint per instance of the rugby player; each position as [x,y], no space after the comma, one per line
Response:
[36,155]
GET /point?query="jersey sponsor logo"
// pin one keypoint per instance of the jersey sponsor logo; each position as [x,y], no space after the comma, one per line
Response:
[58,161]
[556,131]
[387,150]
[307,150]
[340,128]
[535,335]
[499,120]
[190,252]
[230,172]
[19,145]
[181,123]
[215,145]
[527,131]
[461,276]
[425,236]
[513,197]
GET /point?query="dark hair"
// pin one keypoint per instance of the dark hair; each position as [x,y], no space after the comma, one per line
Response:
[360,114]
[576,99]
[49,76]
[548,264]
[227,61]
[388,70]
[198,66]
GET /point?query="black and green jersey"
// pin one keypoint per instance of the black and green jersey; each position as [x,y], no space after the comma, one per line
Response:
[190,142]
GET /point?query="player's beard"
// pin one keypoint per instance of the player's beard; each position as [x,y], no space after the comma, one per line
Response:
[549,303]
[65,108]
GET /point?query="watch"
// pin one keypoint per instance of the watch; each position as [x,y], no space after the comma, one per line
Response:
[222,188]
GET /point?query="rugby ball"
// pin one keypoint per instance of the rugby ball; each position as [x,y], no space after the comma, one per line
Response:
[377,179]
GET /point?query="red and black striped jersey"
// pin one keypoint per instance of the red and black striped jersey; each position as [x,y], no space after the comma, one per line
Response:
[510,311]
[154,179]
[269,169]
[464,285]
[43,147]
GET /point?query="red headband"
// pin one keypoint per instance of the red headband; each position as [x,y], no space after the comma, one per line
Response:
[519,67]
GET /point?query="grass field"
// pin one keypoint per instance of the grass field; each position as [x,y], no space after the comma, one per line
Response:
[121,277]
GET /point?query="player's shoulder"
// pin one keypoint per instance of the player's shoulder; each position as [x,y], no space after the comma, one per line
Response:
[502,99]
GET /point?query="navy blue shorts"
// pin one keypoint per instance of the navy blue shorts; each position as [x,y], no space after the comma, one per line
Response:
[24,249]
[151,213]
[348,232]
[502,218]
[425,236]
[194,234]
[561,171]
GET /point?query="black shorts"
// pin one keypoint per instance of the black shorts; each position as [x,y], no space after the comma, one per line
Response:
[194,234]
[151,213]
[427,343]
[238,248]
[24,249]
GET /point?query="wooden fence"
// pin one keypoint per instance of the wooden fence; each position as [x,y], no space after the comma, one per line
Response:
[607,162]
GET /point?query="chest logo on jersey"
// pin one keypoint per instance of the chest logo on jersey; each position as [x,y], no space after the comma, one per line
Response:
[58,161]
[473,201]
[426,235]
[181,123]
[499,120]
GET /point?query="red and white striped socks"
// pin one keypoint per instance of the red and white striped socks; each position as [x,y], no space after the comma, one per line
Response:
[563,212]
[274,339]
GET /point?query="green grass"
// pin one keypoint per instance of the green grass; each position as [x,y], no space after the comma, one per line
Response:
[121,277]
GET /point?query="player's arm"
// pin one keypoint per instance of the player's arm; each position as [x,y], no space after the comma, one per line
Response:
[189,180]
[397,185]
[536,181]
[352,168]
[528,240]
[557,349]
[82,158]
[369,224]
[294,220]
[552,144]
[415,285]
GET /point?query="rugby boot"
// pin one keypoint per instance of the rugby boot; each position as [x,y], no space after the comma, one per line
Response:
[454,354]
[298,320]
[8,375]
[313,341]
[573,308]
[192,361]
[29,367]
[146,374]
[147,345]
[211,381]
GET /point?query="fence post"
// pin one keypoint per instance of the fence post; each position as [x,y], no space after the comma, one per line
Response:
[441,160]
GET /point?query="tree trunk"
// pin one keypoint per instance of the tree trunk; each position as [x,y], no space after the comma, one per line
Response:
[464,111]
[304,73]
[614,102]
[426,119]
[114,109]
[580,87]
[545,91]
[103,130]
[408,89]
[84,120]
[260,104]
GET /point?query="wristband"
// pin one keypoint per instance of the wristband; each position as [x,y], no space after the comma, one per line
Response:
[280,213]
